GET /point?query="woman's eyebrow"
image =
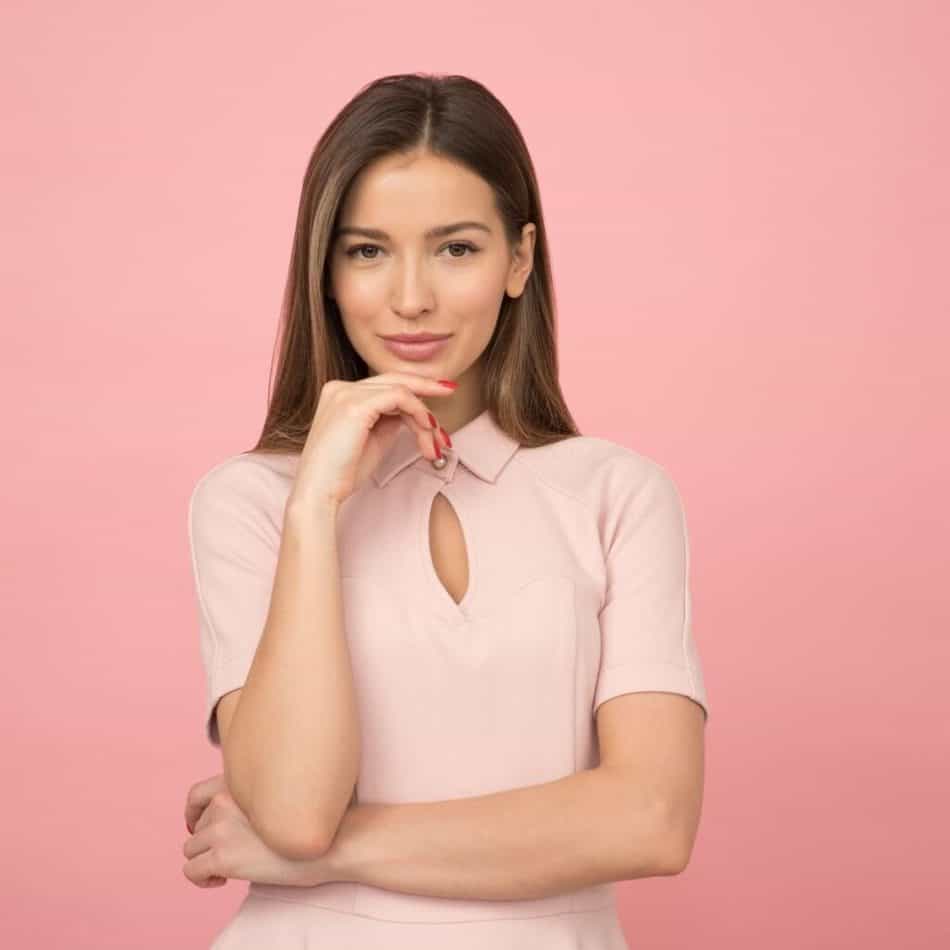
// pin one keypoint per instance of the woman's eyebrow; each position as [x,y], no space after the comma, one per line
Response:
[440,231]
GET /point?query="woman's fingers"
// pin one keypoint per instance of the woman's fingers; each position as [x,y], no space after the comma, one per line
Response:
[196,847]
[200,870]
[413,381]
[198,797]
[398,395]
[398,398]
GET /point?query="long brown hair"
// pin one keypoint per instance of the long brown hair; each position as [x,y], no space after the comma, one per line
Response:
[459,119]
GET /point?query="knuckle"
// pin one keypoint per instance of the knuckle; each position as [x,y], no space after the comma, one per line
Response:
[330,392]
[219,863]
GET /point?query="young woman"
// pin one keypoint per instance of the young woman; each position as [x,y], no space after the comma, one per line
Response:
[447,638]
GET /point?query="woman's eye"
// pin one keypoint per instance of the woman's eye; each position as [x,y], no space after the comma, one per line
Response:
[355,251]
[469,247]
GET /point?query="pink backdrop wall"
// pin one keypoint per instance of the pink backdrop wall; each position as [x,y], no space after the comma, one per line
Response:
[749,214]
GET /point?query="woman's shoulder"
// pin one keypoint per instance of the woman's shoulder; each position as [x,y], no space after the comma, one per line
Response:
[258,479]
[581,459]
[597,473]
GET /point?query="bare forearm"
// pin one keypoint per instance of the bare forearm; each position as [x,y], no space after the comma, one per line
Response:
[521,844]
[294,737]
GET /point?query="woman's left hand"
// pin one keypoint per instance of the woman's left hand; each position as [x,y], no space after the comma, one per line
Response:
[224,845]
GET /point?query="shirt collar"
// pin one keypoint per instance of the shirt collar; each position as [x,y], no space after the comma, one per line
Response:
[481,446]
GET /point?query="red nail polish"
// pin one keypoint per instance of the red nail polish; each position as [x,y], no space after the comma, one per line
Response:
[432,421]
[447,382]
[445,435]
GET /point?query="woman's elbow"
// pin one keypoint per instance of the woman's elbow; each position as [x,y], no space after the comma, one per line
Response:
[295,844]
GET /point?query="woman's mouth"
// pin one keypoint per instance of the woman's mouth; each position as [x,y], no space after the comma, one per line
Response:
[419,350]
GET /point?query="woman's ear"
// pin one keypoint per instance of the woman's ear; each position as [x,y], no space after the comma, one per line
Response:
[522,261]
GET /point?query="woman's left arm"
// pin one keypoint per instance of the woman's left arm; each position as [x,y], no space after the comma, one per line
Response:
[633,815]
[520,844]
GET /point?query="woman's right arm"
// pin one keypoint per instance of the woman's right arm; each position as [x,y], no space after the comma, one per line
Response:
[292,747]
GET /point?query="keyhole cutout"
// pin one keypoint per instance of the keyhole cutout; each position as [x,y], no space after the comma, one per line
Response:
[447,548]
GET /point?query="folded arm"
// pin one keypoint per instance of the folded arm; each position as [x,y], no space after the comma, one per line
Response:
[524,843]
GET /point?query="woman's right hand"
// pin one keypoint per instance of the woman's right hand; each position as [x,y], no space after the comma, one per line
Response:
[353,427]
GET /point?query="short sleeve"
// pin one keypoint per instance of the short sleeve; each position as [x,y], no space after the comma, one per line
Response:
[234,539]
[646,620]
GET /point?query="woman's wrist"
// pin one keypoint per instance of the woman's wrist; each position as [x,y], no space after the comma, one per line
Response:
[333,866]
[301,509]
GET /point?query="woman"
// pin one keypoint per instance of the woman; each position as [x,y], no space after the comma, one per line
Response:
[447,638]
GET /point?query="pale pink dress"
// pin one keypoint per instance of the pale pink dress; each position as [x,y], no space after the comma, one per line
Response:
[578,592]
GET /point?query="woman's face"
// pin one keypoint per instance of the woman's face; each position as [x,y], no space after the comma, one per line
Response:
[401,280]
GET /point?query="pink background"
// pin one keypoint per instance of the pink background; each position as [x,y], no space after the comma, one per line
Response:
[748,209]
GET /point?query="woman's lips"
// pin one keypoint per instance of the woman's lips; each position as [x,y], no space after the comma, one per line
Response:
[415,351]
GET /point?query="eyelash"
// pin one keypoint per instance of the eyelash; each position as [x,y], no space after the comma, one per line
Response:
[353,251]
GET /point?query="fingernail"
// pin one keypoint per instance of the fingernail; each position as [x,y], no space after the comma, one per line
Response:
[438,451]
[445,436]
[447,382]
[432,421]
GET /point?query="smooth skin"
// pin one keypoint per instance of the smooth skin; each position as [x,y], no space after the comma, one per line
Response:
[636,813]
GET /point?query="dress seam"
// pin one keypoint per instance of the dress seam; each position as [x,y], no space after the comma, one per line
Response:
[466,920]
